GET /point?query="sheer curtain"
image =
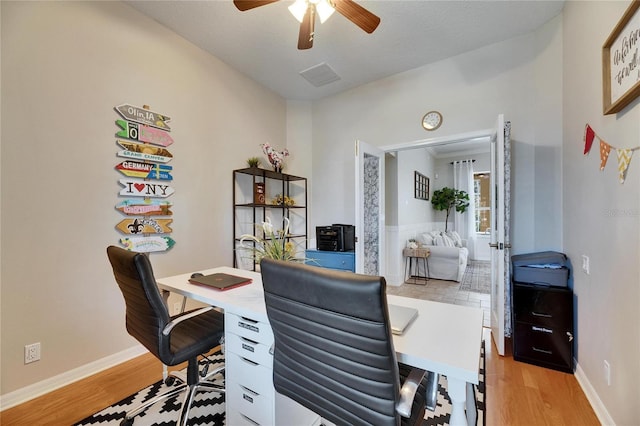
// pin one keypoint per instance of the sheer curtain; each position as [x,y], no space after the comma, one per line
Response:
[465,223]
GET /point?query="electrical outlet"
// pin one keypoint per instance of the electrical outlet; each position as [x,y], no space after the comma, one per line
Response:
[32,353]
[585,264]
[177,306]
[607,372]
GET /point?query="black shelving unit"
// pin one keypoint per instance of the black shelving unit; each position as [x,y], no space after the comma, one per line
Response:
[244,181]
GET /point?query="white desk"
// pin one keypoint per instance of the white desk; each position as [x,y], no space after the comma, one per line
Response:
[444,338]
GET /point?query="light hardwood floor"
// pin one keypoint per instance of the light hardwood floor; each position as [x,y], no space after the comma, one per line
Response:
[518,394]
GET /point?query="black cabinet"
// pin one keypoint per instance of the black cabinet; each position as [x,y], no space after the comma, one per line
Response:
[543,326]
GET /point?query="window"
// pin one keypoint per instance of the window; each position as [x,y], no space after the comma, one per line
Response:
[482,200]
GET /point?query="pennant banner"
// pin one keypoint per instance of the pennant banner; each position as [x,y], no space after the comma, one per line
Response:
[605,149]
[624,158]
[624,154]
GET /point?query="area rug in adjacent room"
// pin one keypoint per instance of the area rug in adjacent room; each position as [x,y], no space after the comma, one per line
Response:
[477,277]
[209,407]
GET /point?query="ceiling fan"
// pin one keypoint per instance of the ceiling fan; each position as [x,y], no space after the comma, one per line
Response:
[305,11]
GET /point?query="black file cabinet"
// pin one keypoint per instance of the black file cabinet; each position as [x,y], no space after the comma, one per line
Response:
[543,326]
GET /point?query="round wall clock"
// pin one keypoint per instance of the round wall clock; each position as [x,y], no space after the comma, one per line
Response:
[432,120]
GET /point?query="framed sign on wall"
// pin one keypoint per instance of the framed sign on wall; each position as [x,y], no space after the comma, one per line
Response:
[621,62]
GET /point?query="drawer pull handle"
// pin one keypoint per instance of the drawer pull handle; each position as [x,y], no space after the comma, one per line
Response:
[249,320]
[250,420]
[537,314]
[249,327]
[542,351]
[244,339]
[248,361]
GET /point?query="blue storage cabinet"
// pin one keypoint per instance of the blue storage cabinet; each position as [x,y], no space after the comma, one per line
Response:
[339,260]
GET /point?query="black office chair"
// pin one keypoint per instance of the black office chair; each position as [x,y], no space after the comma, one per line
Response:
[334,349]
[172,340]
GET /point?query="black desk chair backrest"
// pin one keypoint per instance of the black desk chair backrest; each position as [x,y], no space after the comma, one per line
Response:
[146,313]
[172,340]
[334,349]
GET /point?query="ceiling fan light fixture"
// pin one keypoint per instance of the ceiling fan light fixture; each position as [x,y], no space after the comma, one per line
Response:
[298,9]
[324,9]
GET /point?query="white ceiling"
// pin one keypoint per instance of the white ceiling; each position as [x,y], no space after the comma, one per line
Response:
[262,42]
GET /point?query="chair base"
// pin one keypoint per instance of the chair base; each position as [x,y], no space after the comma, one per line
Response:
[203,385]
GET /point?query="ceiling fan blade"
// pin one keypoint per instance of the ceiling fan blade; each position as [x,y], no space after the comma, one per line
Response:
[305,37]
[251,4]
[357,14]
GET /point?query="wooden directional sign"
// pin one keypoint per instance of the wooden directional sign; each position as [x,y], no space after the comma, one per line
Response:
[147,244]
[145,170]
[144,225]
[142,188]
[143,116]
[144,152]
[133,207]
[138,132]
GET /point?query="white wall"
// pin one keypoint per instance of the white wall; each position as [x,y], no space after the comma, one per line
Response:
[470,90]
[601,217]
[65,65]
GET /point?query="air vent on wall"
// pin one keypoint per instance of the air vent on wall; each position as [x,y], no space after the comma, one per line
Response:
[320,74]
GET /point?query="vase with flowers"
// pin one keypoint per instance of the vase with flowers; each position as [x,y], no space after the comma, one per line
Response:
[272,244]
[276,158]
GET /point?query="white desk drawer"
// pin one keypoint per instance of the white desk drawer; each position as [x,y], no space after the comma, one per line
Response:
[256,377]
[253,406]
[253,330]
[256,352]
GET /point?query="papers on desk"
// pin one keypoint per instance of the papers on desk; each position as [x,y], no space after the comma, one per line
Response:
[400,317]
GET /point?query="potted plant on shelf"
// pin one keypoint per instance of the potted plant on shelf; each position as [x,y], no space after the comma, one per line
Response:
[272,244]
[253,162]
[448,198]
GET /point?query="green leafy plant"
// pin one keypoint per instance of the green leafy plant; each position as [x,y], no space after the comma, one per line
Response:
[253,162]
[448,198]
[272,244]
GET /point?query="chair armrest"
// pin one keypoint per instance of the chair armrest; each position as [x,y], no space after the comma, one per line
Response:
[167,329]
[408,392]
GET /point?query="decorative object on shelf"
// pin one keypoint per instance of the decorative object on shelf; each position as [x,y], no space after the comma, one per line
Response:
[253,162]
[412,244]
[276,158]
[258,193]
[272,244]
[421,186]
[620,79]
[280,200]
[624,154]
[448,198]
[432,120]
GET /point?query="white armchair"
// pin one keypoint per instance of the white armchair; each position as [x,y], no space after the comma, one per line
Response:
[449,255]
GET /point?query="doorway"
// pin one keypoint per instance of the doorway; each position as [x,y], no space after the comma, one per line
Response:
[473,285]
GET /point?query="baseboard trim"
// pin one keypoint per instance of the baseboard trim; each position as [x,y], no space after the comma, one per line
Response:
[35,390]
[592,396]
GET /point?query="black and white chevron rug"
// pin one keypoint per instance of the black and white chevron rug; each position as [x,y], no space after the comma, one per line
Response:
[208,408]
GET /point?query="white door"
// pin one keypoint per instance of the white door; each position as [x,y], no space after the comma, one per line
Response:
[369,209]
[499,245]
